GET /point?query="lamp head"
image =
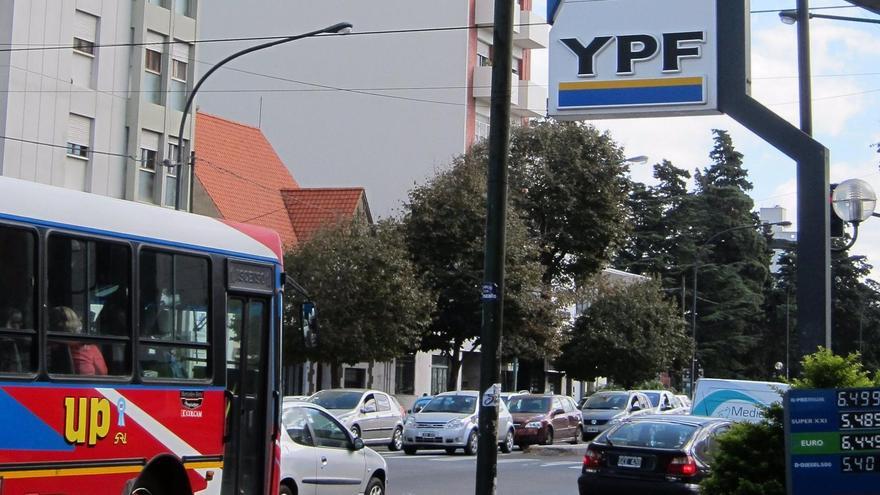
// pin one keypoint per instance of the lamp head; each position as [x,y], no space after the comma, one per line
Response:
[638,160]
[854,200]
[340,28]
[788,16]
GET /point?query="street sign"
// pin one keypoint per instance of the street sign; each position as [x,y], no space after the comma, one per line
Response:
[633,58]
[491,395]
[832,441]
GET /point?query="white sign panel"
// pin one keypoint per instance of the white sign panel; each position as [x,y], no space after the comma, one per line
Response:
[633,58]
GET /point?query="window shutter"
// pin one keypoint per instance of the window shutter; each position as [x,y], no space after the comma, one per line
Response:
[79,129]
[180,51]
[150,140]
[151,38]
[85,26]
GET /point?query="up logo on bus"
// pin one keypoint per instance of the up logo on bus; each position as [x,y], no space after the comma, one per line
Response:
[86,420]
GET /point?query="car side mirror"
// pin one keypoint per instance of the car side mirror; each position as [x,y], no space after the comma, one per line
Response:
[635,408]
[357,444]
[369,408]
[558,411]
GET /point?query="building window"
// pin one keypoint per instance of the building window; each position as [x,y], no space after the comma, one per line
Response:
[439,374]
[171,174]
[153,68]
[180,56]
[149,157]
[483,60]
[482,128]
[84,47]
[79,134]
[405,376]
[182,7]
[160,3]
[85,34]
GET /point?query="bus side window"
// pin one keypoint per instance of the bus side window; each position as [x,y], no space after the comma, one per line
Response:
[17,300]
[88,297]
[174,296]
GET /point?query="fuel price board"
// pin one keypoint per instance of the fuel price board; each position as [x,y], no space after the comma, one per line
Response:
[833,441]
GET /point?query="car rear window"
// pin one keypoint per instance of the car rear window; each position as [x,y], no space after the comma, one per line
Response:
[654,397]
[659,435]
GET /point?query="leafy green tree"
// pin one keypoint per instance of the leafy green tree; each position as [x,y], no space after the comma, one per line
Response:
[630,333]
[751,456]
[569,180]
[444,226]
[372,306]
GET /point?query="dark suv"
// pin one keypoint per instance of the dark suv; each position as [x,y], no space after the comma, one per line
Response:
[545,418]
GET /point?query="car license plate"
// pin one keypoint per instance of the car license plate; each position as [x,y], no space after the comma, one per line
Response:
[428,434]
[628,461]
[592,429]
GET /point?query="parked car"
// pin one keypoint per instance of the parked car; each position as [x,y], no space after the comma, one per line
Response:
[663,401]
[545,418]
[419,404]
[685,402]
[449,422]
[605,409]
[374,416]
[294,398]
[506,396]
[317,450]
[663,454]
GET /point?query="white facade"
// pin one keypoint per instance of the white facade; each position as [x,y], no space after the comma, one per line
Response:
[85,97]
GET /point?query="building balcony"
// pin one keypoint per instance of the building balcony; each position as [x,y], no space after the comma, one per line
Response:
[483,85]
[485,15]
[533,32]
[532,100]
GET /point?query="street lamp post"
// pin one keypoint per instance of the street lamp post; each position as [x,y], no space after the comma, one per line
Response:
[338,28]
[696,271]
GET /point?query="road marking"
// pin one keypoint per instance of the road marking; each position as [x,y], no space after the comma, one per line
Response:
[561,463]
[574,467]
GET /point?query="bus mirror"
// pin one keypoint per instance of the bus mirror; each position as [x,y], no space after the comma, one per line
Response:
[309,321]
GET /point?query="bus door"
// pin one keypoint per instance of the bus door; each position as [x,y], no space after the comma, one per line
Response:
[244,466]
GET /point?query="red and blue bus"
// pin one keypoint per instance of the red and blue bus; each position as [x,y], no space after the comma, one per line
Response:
[139,348]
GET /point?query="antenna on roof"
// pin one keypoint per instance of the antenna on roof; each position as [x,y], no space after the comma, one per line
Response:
[260,118]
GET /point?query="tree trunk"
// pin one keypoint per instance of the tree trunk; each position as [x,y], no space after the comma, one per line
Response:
[319,382]
[370,375]
[335,374]
[454,367]
[310,384]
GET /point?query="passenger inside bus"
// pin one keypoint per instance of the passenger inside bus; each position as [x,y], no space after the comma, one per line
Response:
[87,359]
[11,360]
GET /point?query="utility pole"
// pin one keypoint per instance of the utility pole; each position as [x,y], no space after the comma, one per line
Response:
[493,274]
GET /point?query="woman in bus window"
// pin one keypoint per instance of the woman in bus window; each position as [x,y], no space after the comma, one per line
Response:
[87,358]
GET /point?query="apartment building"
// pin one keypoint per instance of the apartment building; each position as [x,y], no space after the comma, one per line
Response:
[92,93]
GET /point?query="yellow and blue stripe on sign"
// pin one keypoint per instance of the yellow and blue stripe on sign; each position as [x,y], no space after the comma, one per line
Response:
[663,91]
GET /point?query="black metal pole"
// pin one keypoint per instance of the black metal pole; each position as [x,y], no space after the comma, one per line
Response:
[694,331]
[496,213]
[336,28]
[805,92]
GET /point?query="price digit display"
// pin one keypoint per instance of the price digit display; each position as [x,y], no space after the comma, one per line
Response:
[860,463]
[860,419]
[859,441]
[858,398]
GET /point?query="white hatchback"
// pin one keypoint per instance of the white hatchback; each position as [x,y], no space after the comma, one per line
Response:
[319,455]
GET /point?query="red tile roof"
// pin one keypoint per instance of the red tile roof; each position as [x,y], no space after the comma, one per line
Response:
[313,208]
[243,175]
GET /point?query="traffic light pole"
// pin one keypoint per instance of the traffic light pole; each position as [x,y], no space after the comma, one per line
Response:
[493,275]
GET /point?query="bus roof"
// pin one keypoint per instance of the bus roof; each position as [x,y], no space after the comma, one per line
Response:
[52,206]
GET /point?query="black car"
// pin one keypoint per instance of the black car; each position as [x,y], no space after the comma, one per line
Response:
[651,454]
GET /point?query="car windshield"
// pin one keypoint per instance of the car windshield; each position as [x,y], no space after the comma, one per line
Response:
[462,404]
[335,399]
[659,435]
[606,401]
[654,397]
[529,404]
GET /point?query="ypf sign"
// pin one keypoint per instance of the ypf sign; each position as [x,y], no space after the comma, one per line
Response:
[633,58]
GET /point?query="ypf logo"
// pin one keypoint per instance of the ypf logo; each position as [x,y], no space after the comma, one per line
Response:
[632,48]
[86,420]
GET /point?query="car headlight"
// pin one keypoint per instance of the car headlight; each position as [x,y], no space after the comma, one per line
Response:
[613,421]
[533,424]
[410,421]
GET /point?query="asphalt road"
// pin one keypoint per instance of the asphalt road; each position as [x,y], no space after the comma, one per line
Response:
[436,473]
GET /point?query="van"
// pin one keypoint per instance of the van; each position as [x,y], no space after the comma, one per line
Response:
[736,400]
